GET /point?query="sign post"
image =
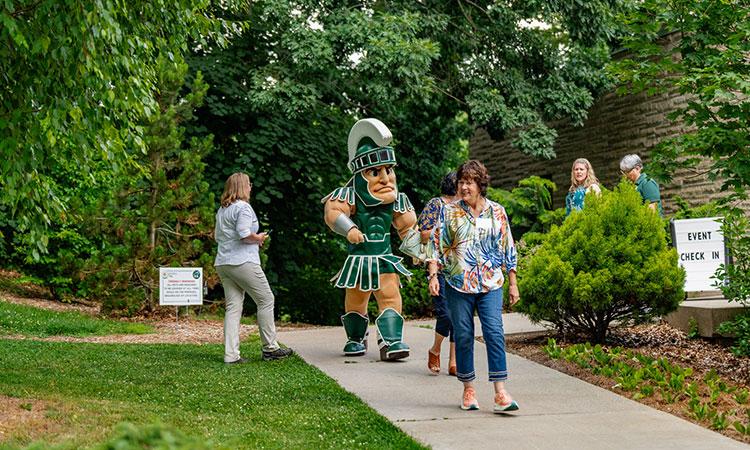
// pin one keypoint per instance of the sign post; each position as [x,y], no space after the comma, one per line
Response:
[180,286]
[701,249]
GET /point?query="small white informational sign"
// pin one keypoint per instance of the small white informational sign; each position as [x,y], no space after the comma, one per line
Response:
[179,286]
[700,248]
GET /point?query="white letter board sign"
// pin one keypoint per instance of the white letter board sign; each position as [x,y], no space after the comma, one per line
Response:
[700,249]
[179,286]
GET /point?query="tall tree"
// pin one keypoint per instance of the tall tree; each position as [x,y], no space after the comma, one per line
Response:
[708,62]
[285,93]
[76,79]
[160,211]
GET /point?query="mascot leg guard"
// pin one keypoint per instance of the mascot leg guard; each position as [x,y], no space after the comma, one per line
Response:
[390,327]
[355,325]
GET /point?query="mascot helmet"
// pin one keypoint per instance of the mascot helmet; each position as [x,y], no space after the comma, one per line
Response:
[368,145]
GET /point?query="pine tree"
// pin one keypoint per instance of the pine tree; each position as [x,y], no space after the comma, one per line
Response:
[161,210]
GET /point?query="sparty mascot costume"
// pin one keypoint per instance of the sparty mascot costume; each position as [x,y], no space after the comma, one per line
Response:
[363,211]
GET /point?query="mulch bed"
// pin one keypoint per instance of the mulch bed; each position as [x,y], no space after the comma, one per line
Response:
[655,340]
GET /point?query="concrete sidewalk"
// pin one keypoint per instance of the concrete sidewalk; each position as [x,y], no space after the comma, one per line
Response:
[557,411]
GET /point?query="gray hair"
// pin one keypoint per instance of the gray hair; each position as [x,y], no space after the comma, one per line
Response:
[630,162]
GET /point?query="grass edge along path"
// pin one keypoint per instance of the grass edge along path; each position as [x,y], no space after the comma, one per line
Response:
[37,322]
[187,388]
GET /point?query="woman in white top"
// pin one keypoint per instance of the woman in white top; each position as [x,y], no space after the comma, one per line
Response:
[582,181]
[238,265]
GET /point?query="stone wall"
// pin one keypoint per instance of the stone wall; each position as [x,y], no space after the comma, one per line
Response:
[617,125]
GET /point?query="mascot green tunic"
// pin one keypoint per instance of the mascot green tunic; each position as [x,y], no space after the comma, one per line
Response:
[363,211]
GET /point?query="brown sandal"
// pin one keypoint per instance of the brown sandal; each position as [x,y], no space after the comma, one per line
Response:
[452,370]
[433,362]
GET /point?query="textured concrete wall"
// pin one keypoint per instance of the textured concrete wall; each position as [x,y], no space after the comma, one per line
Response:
[617,125]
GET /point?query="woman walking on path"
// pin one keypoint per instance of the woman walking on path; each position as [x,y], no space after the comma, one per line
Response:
[428,219]
[238,265]
[473,244]
[582,181]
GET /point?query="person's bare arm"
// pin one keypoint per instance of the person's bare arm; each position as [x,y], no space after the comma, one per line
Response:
[513,288]
[433,283]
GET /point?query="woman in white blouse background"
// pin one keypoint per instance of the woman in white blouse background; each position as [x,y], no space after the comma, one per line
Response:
[238,265]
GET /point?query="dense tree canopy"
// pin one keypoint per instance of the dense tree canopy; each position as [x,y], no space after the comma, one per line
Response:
[708,62]
[84,111]
[76,79]
[285,93]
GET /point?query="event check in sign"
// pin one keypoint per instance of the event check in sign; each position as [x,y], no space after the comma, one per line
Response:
[700,247]
[179,286]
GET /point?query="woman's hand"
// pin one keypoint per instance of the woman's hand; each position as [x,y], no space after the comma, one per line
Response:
[255,238]
[434,286]
[355,236]
[513,294]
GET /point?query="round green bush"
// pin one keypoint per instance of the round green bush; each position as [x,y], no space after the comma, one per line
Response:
[608,263]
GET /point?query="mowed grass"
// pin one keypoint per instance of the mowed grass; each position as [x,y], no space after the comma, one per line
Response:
[276,404]
[30,321]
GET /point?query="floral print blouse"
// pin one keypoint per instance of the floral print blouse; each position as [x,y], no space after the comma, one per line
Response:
[430,215]
[574,200]
[473,252]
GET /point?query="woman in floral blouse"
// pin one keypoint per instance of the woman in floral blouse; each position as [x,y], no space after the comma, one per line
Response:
[443,328]
[473,244]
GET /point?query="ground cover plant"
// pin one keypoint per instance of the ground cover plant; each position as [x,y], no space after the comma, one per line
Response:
[697,379]
[712,400]
[29,321]
[185,390]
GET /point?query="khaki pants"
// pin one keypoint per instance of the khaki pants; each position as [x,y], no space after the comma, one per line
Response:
[237,280]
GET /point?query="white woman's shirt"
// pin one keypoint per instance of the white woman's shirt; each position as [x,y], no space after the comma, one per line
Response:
[233,223]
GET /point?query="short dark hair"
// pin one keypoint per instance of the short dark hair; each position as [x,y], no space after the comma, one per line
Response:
[448,184]
[474,170]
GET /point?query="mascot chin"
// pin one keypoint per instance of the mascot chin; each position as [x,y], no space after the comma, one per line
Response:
[363,211]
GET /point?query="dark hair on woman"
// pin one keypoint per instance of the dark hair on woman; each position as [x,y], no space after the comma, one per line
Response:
[448,185]
[474,170]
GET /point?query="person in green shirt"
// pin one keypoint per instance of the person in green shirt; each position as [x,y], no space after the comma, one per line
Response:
[631,166]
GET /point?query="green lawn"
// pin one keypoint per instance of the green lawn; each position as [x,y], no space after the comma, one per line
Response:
[83,392]
[30,321]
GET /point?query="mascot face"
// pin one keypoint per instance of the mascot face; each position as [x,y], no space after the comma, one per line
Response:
[381,182]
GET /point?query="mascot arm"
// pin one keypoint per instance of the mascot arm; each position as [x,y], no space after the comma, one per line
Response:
[337,215]
[403,222]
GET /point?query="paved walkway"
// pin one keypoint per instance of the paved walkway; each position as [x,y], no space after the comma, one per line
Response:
[557,411]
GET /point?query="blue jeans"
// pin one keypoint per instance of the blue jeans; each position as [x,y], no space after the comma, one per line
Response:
[489,306]
[443,325]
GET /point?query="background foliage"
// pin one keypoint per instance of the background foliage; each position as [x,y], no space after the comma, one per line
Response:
[76,80]
[285,93]
[528,205]
[734,279]
[111,176]
[707,62]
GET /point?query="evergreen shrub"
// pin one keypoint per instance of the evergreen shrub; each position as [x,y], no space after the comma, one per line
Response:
[607,263]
